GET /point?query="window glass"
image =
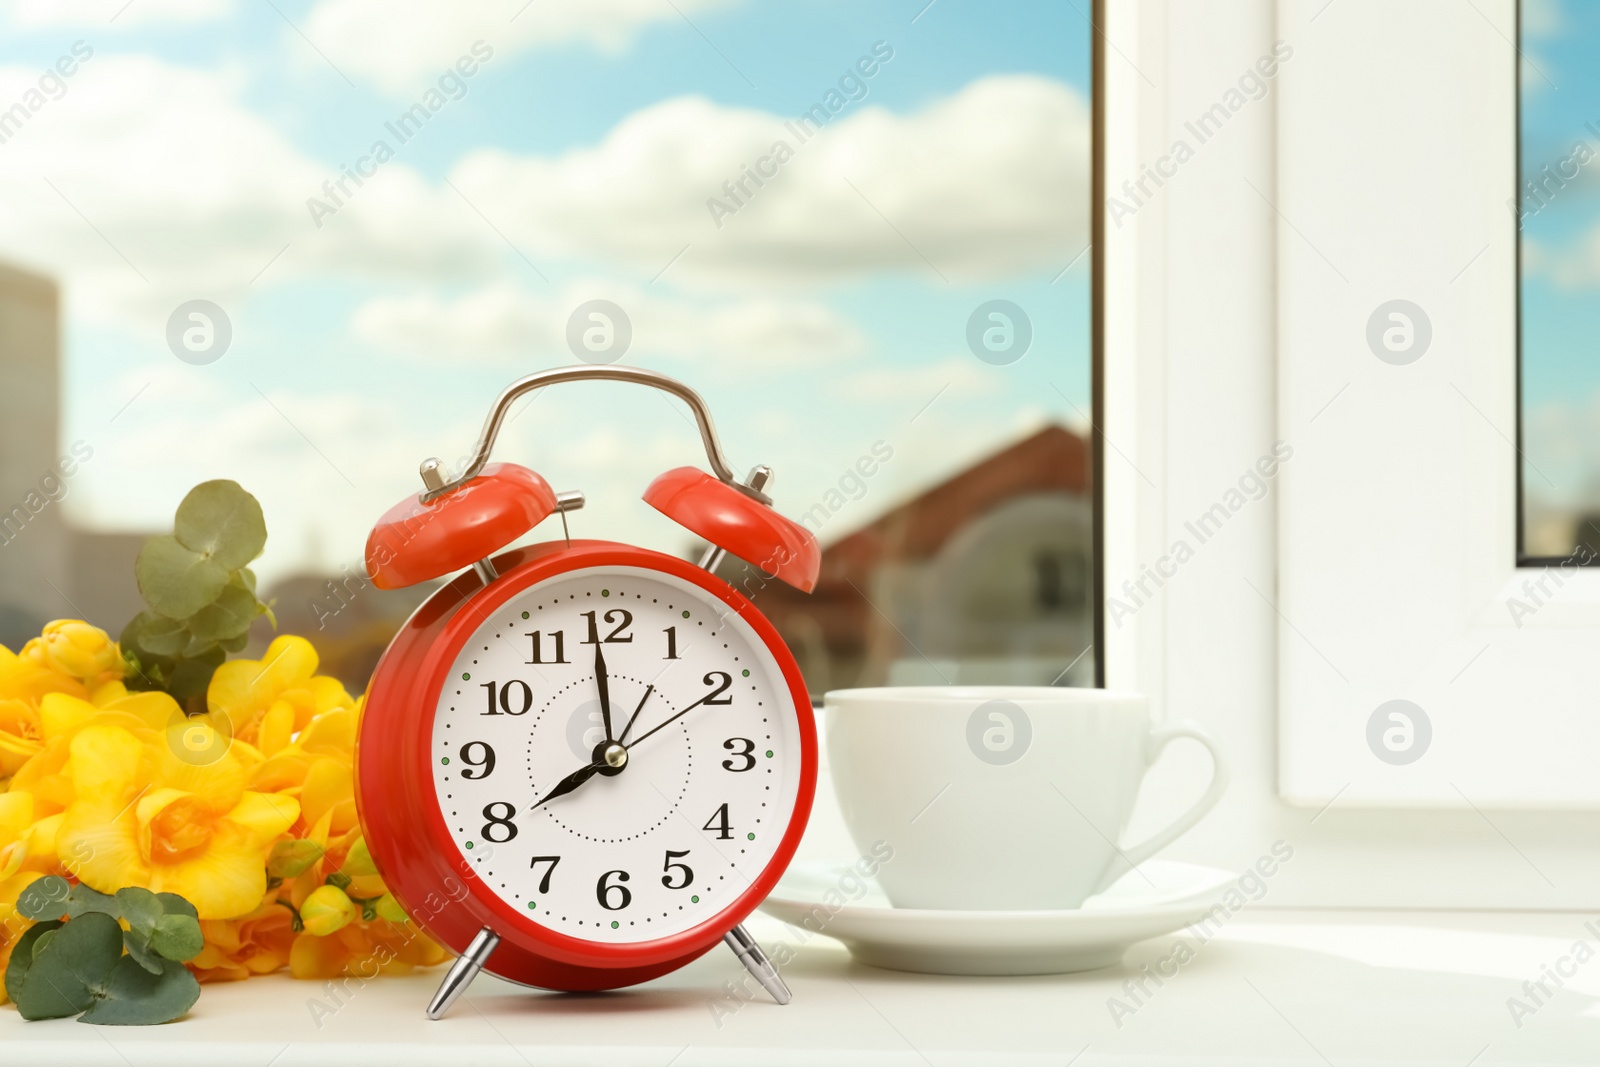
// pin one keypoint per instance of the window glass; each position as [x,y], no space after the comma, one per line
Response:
[1558,210]
[305,246]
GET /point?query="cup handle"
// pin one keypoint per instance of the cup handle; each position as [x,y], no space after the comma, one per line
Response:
[1159,738]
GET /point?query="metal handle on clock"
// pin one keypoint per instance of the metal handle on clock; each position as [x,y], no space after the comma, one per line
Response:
[432,470]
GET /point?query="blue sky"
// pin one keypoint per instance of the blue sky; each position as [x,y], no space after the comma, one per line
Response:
[574,168]
[1560,313]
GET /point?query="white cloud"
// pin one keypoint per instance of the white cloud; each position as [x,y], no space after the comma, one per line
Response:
[146,184]
[326,465]
[1575,265]
[989,181]
[113,14]
[504,324]
[920,383]
[1563,448]
[1542,18]
[397,46]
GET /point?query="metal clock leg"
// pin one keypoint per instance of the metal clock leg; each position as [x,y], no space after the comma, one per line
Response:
[744,946]
[462,972]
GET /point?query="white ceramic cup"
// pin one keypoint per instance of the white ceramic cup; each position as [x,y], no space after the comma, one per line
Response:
[1000,798]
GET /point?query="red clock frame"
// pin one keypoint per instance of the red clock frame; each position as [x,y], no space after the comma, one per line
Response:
[405,827]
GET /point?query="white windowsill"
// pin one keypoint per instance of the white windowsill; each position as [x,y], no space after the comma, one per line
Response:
[1278,987]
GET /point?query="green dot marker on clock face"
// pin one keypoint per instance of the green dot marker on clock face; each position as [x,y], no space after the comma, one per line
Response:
[615,924]
[694,900]
[465,677]
[469,844]
[752,837]
[445,760]
[532,905]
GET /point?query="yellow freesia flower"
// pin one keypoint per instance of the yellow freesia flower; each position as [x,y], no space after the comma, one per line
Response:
[267,701]
[76,649]
[234,949]
[60,717]
[19,734]
[23,684]
[16,819]
[327,911]
[144,815]
[318,769]
[364,950]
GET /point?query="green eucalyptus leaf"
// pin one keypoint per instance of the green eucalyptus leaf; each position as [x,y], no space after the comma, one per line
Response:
[222,522]
[132,996]
[290,859]
[177,905]
[178,938]
[247,578]
[83,899]
[145,670]
[235,644]
[70,967]
[139,949]
[193,674]
[22,954]
[175,580]
[140,907]
[155,634]
[227,617]
[45,898]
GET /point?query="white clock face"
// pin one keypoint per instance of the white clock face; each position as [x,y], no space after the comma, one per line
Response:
[710,764]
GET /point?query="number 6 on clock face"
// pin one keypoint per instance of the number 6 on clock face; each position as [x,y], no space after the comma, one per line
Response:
[699,705]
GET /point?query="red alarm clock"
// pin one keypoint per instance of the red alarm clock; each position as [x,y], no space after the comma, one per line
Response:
[582,764]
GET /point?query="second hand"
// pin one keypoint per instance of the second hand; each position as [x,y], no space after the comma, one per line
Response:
[623,740]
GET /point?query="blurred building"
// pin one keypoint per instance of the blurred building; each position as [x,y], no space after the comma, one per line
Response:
[48,569]
[33,550]
[984,578]
[347,618]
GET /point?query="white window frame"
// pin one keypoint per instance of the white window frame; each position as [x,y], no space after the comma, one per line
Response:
[1379,567]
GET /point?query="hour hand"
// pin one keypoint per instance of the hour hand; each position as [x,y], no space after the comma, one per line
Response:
[571,782]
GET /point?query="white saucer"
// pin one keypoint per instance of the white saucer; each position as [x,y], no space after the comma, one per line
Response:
[1158,898]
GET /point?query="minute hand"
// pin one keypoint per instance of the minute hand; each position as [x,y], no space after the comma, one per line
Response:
[675,716]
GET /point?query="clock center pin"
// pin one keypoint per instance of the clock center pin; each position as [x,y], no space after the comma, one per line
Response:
[613,755]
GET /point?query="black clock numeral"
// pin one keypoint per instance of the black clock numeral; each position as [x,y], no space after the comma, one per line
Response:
[502,821]
[612,637]
[719,823]
[669,867]
[558,638]
[485,761]
[605,889]
[748,755]
[672,642]
[524,697]
[715,696]
[544,883]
